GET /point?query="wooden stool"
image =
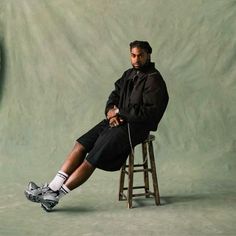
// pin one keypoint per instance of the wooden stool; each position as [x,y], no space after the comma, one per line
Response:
[147,151]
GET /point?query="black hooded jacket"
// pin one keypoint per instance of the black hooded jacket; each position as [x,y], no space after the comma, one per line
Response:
[141,96]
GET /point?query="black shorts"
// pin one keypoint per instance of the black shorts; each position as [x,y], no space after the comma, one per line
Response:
[108,148]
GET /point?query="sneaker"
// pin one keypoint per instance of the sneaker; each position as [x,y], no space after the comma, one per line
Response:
[34,193]
[50,199]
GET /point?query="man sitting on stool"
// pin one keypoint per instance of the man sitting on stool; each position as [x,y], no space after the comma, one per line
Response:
[134,108]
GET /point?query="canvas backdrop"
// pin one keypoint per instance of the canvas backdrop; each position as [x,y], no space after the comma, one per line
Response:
[60,59]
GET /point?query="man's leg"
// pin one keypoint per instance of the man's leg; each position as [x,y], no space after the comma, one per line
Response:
[49,195]
[72,162]
[80,175]
[74,159]
[81,172]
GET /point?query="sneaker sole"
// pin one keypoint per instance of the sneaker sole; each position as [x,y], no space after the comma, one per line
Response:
[48,205]
[45,208]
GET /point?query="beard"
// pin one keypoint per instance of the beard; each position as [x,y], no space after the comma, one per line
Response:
[139,66]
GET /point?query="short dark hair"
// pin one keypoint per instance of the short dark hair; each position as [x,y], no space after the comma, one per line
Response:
[141,44]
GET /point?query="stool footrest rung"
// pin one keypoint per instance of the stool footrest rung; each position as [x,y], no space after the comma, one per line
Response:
[142,194]
[143,170]
[135,187]
[140,170]
[136,165]
[124,197]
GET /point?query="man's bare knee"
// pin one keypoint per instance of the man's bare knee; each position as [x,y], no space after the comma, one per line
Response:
[79,148]
[89,165]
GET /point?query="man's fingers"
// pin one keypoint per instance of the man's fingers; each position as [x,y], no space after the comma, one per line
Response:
[114,121]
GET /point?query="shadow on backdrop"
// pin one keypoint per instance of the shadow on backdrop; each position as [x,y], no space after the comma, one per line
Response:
[2,68]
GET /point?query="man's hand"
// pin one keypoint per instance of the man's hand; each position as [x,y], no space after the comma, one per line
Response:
[112,112]
[115,121]
[112,116]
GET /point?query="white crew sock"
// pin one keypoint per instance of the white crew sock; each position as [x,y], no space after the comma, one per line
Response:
[58,180]
[63,191]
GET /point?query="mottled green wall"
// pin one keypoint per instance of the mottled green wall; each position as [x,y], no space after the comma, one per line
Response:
[59,61]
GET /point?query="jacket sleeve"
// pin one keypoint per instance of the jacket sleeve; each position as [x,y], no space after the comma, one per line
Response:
[114,97]
[154,102]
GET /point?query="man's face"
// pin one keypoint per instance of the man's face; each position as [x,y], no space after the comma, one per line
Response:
[139,57]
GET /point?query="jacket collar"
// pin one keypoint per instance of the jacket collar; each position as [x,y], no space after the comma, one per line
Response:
[147,67]
[142,72]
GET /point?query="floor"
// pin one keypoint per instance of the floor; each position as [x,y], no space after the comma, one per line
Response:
[94,209]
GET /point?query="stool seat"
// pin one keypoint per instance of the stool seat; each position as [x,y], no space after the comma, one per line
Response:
[129,168]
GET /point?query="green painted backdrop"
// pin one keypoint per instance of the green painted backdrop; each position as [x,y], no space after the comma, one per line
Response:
[59,60]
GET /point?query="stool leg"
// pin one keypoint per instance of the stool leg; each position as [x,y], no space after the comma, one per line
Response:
[154,174]
[145,166]
[122,182]
[130,180]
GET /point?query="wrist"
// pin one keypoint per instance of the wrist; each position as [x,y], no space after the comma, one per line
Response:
[117,111]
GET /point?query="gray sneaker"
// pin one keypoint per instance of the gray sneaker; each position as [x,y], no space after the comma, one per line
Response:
[34,193]
[50,199]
